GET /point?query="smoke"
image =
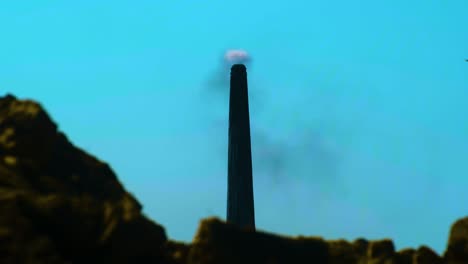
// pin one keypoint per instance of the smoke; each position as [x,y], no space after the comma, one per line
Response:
[218,83]
[279,156]
[236,57]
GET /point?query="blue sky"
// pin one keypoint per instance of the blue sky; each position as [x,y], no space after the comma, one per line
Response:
[358,107]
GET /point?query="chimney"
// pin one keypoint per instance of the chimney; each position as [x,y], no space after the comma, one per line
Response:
[240,200]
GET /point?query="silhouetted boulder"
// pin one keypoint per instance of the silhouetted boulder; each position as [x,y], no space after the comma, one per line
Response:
[425,255]
[360,246]
[457,249]
[405,256]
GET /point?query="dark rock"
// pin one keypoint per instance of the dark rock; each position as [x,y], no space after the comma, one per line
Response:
[425,255]
[405,256]
[218,242]
[341,251]
[177,252]
[457,249]
[381,251]
[59,204]
[360,246]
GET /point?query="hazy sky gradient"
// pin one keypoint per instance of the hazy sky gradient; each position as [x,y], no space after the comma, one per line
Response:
[362,102]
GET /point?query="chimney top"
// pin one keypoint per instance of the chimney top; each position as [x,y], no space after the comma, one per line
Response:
[238,68]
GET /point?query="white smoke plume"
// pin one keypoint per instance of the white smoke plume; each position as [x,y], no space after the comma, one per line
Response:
[236,56]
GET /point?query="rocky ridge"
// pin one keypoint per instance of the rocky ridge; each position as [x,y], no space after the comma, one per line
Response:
[59,204]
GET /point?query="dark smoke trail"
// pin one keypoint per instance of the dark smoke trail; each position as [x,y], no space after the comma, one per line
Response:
[301,155]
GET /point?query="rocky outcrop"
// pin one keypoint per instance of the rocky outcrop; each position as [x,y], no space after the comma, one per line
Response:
[59,204]
[219,242]
[457,249]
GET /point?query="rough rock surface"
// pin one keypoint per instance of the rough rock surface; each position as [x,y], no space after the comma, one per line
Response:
[58,204]
[457,250]
[61,205]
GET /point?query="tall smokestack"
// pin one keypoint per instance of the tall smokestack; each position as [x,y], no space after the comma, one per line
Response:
[240,200]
